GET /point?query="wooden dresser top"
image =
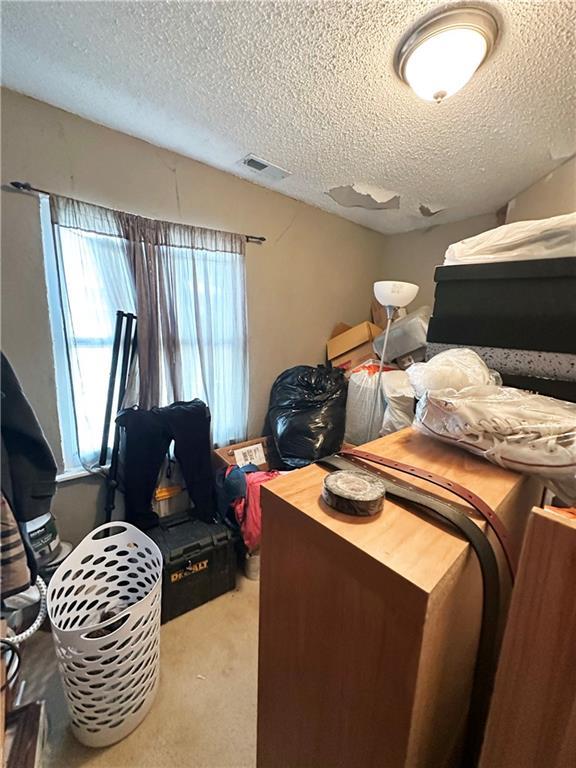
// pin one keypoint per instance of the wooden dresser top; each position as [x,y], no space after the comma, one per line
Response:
[412,546]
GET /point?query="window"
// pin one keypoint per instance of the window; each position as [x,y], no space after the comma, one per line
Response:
[190,294]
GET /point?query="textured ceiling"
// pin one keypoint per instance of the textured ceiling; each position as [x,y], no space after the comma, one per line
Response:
[310,86]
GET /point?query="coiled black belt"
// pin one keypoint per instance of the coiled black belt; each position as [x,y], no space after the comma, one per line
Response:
[475,501]
[430,504]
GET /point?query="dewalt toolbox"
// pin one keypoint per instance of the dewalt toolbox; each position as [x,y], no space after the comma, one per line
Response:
[199,564]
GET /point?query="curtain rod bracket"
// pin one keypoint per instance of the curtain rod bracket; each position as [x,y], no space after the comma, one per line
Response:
[25,186]
[22,185]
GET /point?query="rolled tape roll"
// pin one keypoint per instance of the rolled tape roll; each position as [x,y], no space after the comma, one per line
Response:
[354,492]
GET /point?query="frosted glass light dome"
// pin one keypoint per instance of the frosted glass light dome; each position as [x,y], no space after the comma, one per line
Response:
[442,54]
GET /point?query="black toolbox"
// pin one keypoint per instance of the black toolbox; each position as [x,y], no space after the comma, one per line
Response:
[199,564]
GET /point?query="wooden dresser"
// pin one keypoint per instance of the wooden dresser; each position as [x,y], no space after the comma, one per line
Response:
[532,722]
[369,626]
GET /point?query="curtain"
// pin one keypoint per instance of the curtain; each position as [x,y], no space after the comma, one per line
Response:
[95,280]
[187,287]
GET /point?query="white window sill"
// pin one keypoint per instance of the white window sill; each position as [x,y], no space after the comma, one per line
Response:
[77,473]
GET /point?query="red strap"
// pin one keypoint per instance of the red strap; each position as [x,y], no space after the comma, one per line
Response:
[459,490]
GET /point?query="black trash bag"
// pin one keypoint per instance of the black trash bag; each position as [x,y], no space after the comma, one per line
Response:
[307,414]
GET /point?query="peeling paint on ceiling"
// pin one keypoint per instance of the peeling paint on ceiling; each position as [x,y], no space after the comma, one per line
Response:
[365,196]
[428,212]
[562,148]
[310,84]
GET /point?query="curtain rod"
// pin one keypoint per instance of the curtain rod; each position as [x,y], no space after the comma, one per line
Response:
[24,186]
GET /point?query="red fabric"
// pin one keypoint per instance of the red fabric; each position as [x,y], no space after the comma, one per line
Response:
[372,368]
[248,511]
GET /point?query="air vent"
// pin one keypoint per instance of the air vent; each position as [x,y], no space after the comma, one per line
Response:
[256,165]
[263,168]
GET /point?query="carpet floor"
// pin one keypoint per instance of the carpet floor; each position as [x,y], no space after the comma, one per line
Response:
[204,714]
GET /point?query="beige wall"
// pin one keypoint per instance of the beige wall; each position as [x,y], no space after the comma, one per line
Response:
[314,270]
[551,196]
[413,256]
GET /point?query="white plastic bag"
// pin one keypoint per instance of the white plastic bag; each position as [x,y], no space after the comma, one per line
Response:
[452,369]
[394,407]
[520,241]
[399,397]
[516,429]
[361,388]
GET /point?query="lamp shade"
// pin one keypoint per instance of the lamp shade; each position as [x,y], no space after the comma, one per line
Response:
[391,293]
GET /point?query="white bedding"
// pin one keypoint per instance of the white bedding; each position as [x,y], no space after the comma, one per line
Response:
[551,238]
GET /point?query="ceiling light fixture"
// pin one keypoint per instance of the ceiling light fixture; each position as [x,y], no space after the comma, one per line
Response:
[441,55]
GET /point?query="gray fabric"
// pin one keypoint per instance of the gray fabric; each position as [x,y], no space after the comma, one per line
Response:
[15,572]
[28,466]
[519,362]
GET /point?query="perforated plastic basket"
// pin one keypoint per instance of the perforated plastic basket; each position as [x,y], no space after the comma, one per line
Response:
[104,605]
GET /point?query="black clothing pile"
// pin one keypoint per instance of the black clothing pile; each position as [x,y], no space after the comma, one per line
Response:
[28,481]
[146,436]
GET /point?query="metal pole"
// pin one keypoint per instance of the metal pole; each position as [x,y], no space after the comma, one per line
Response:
[111,385]
[112,484]
[24,186]
[126,354]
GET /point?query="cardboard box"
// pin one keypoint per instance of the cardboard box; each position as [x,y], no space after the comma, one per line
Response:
[339,328]
[353,347]
[379,314]
[248,452]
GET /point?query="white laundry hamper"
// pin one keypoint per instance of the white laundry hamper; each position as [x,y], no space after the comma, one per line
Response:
[104,606]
